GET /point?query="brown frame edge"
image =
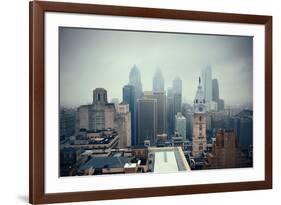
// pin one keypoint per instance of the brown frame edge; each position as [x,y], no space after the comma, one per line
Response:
[36,101]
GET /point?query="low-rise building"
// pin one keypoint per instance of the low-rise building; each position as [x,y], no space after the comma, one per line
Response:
[226,153]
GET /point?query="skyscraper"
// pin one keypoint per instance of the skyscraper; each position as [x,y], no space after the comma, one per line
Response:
[180,125]
[129,97]
[135,80]
[158,81]
[170,112]
[199,144]
[160,98]
[215,91]
[177,103]
[207,83]
[147,120]
[177,95]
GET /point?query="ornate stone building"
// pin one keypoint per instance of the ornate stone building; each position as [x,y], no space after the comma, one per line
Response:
[199,142]
[97,116]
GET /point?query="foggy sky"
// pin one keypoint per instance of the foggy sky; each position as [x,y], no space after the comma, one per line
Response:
[91,58]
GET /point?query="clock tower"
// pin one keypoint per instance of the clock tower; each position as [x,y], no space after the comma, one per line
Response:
[199,122]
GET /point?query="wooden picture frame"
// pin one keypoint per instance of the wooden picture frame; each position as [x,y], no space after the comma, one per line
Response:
[37,11]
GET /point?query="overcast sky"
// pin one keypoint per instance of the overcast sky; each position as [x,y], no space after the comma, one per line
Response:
[91,58]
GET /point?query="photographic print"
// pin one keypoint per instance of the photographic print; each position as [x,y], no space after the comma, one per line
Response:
[153,102]
[129,102]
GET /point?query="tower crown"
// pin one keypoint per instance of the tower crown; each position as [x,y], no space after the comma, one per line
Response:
[99,96]
[199,101]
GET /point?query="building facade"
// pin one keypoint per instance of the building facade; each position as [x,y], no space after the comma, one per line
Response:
[177,94]
[243,127]
[147,120]
[67,123]
[226,153]
[123,125]
[170,113]
[158,81]
[207,83]
[161,111]
[135,80]
[129,97]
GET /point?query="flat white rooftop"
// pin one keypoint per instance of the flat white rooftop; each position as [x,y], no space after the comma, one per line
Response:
[168,159]
[165,162]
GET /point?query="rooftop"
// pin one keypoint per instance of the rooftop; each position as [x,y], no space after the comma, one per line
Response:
[169,159]
[104,162]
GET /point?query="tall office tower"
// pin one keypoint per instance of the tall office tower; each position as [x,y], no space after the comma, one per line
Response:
[123,125]
[135,80]
[170,112]
[129,97]
[207,83]
[177,92]
[177,103]
[158,81]
[147,120]
[180,125]
[199,144]
[215,91]
[160,98]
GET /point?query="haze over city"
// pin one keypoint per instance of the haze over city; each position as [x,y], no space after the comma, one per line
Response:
[91,58]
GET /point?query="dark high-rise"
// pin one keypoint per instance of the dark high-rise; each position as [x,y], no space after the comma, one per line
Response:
[135,80]
[129,97]
[215,93]
[158,82]
[147,120]
[160,98]
[170,112]
[177,95]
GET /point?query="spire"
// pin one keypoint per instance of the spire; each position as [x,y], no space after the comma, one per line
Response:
[199,101]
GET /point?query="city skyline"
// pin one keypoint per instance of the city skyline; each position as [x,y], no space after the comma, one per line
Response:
[85,66]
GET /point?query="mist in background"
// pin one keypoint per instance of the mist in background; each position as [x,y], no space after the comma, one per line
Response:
[91,58]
